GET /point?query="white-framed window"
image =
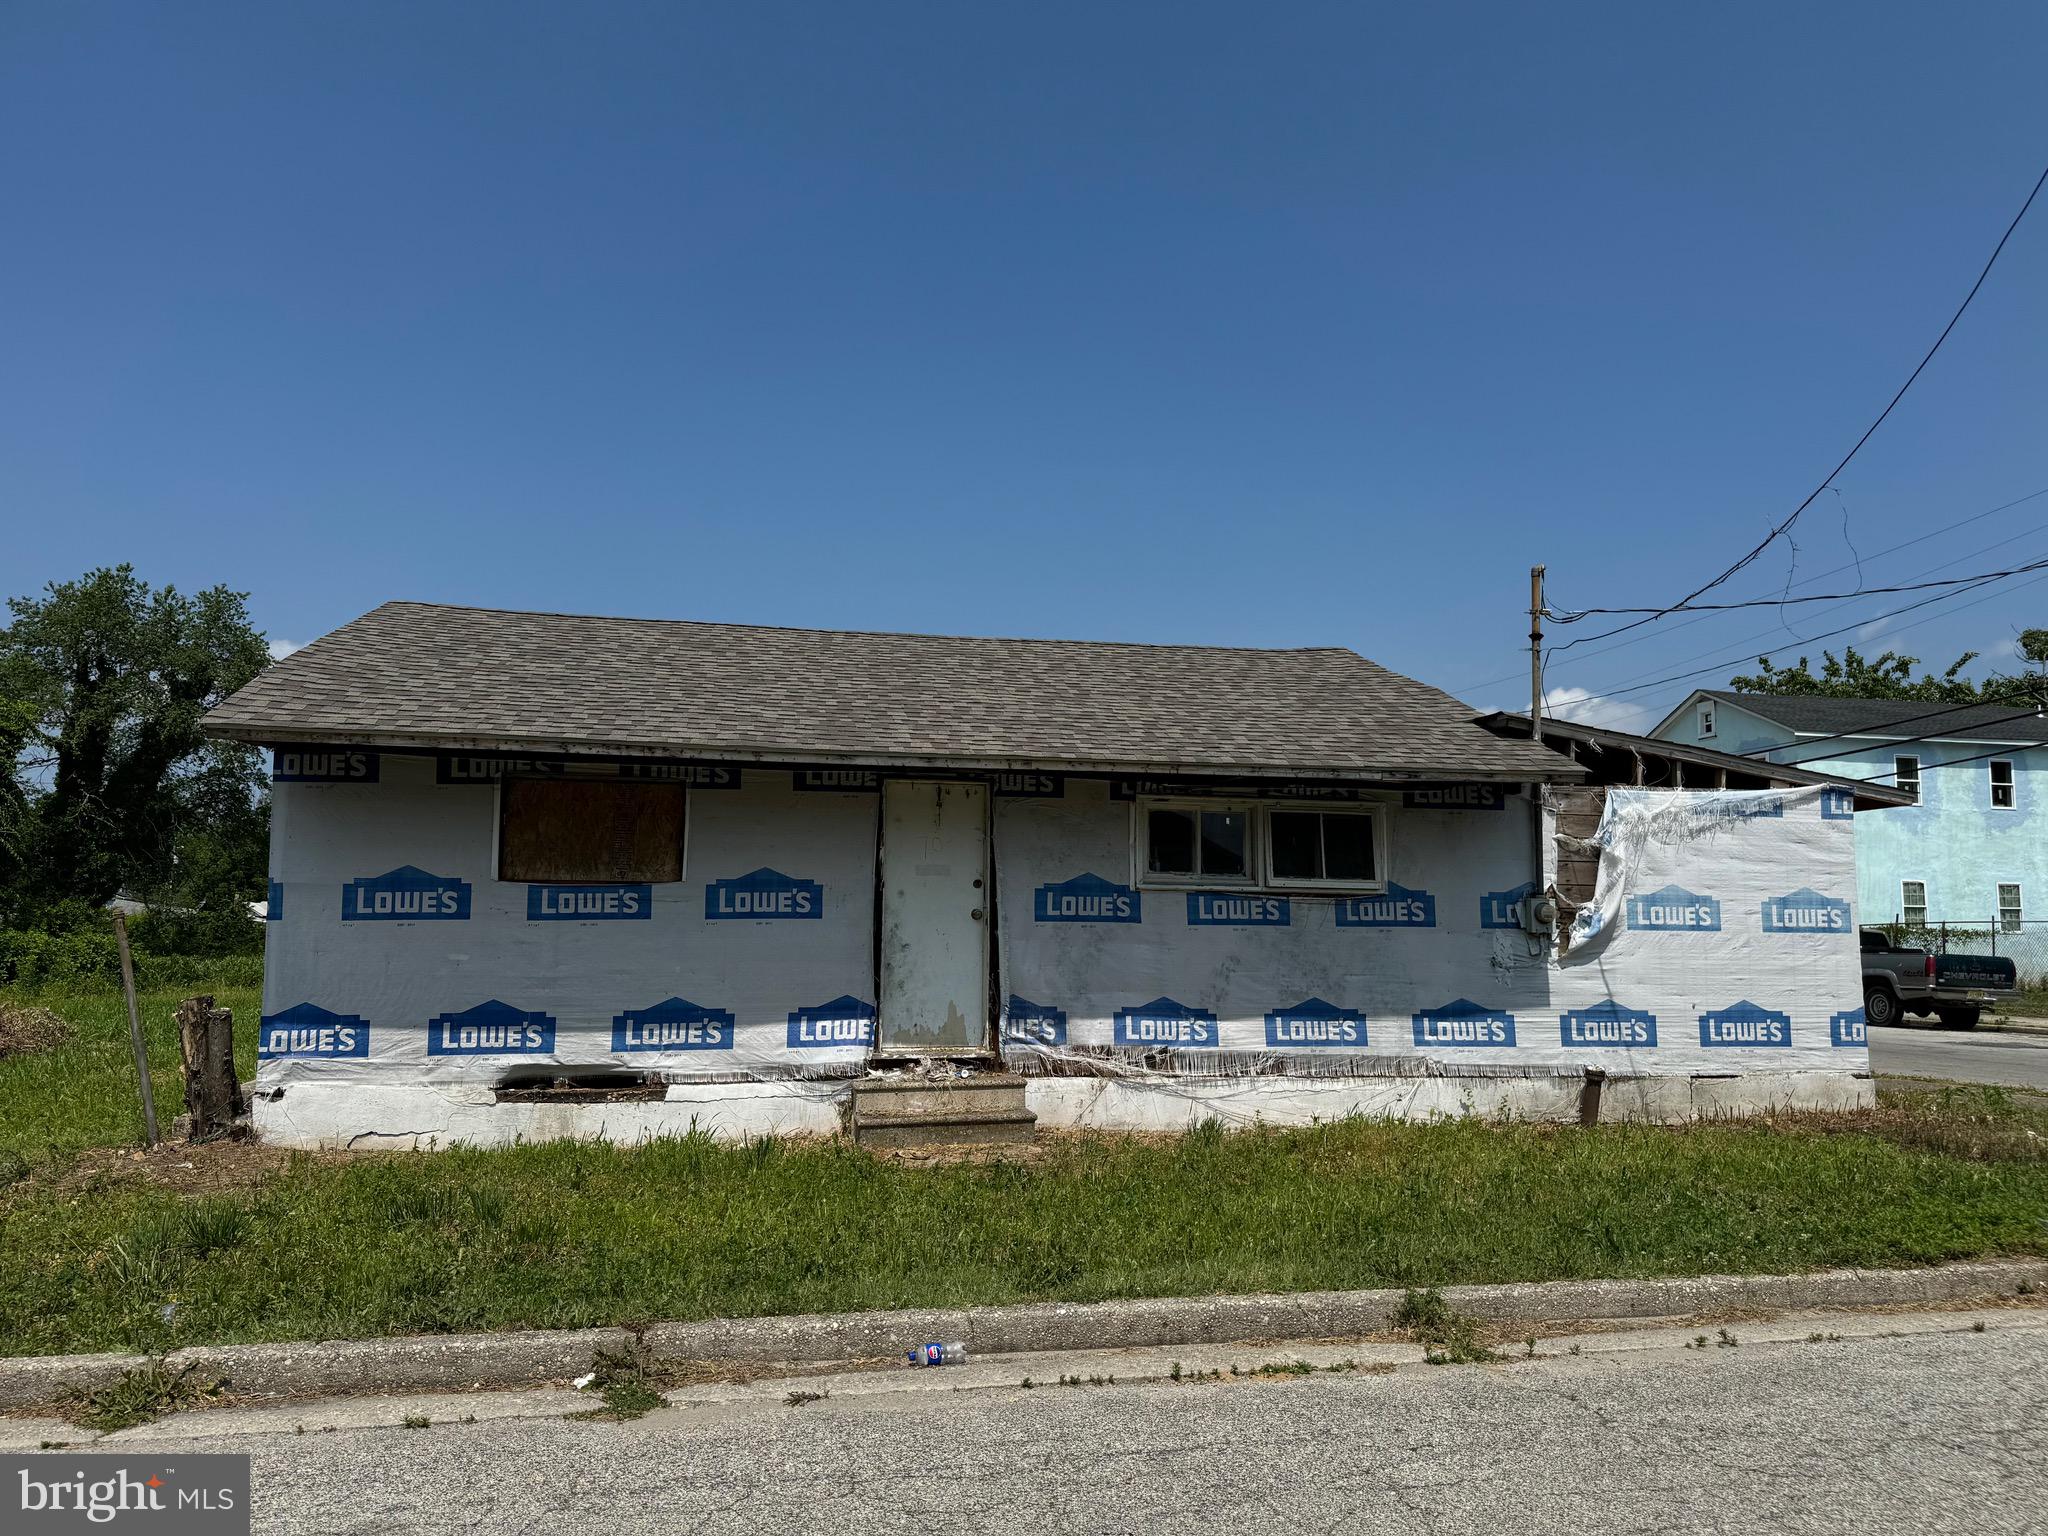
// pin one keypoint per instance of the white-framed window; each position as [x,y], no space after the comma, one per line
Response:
[1913,903]
[1906,774]
[1198,844]
[2009,909]
[1336,847]
[2002,791]
[1706,721]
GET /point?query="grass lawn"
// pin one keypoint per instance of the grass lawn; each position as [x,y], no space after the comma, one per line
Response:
[564,1234]
[56,1103]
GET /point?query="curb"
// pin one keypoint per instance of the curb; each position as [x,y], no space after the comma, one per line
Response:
[467,1361]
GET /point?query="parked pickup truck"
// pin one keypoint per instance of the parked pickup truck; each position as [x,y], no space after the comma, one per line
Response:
[1953,988]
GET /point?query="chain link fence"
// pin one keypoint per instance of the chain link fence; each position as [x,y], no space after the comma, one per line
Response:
[2025,942]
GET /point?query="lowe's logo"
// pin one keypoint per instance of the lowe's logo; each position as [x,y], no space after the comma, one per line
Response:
[1315,1024]
[1398,907]
[696,775]
[1837,805]
[764,893]
[1607,1025]
[491,1029]
[1033,786]
[1206,909]
[1085,899]
[837,780]
[1806,911]
[306,1031]
[588,903]
[1745,1024]
[675,1024]
[482,768]
[407,894]
[1464,1022]
[842,1022]
[1498,909]
[1848,1028]
[1029,1023]
[273,904]
[322,765]
[1456,797]
[1165,1022]
[1675,910]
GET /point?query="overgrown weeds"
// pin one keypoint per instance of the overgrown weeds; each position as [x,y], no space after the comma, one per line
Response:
[1447,1336]
[137,1397]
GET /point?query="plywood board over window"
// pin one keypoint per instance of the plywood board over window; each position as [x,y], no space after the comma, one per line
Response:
[590,831]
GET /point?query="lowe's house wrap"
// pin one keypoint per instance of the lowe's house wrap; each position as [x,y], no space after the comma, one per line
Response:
[730,877]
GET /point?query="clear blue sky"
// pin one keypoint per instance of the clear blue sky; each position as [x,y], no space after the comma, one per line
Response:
[1305,324]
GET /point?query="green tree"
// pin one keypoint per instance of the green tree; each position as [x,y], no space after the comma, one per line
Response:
[111,786]
[1853,676]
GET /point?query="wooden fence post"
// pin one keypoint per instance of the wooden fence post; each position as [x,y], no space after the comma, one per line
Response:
[206,1043]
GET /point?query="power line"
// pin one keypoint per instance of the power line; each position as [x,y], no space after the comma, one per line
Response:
[1816,597]
[1777,532]
[1704,616]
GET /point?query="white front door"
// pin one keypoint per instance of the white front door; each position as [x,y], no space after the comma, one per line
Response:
[934,918]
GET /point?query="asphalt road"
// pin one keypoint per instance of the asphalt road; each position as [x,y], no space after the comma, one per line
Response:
[1966,1055]
[1930,1433]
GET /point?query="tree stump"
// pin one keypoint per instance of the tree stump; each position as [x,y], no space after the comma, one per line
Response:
[206,1043]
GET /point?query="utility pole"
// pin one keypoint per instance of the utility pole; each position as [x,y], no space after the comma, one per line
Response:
[1535,653]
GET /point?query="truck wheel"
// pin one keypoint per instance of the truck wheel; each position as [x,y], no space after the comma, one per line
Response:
[1879,1006]
[1961,1018]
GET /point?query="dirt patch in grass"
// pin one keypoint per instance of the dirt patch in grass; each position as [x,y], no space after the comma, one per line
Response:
[25,1028]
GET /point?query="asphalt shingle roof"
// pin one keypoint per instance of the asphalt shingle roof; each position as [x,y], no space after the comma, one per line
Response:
[425,674]
[1922,718]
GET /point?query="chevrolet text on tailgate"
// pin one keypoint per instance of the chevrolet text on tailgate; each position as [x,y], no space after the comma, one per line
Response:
[1898,980]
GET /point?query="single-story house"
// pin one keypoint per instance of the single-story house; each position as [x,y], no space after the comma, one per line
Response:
[541,874]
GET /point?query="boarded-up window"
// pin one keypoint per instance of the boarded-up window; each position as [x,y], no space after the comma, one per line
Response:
[598,831]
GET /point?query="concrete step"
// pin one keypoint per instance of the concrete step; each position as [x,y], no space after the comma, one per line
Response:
[963,1128]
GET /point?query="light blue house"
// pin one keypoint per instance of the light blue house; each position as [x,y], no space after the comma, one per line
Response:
[1973,850]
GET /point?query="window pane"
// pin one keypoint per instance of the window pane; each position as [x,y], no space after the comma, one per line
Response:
[1916,893]
[1297,851]
[1170,842]
[1347,847]
[1224,842]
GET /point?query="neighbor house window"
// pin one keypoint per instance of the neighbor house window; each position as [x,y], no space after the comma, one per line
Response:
[2001,785]
[2009,908]
[1906,774]
[1706,721]
[1198,843]
[590,831]
[1319,847]
[1913,903]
